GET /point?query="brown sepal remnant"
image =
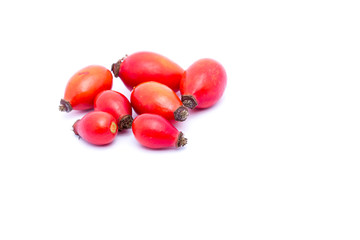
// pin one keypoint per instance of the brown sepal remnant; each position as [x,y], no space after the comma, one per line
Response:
[181,114]
[125,122]
[115,67]
[189,101]
[181,141]
[65,106]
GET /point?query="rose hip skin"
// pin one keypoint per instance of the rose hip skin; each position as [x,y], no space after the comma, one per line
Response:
[154,131]
[96,127]
[116,104]
[203,84]
[157,98]
[148,66]
[83,87]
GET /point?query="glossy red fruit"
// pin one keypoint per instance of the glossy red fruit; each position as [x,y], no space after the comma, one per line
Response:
[157,98]
[154,131]
[83,87]
[116,104]
[96,127]
[203,84]
[148,66]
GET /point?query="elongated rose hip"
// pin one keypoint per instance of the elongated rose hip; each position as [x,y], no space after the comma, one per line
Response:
[96,127]
[203,84]
[116,104]
[154,131]
[148,66]
[83,87]
[157,98]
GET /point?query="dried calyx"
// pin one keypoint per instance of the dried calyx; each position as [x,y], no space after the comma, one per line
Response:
[115,67]
[182,141]
[65,106]
[74,126]
[189,101]
[181,114]
[125,122]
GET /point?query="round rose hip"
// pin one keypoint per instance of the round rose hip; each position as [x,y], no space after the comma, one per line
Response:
[203,84]
[96,127]
[154,131]
[83,87]
[157,98]
[116,104]
[148,66]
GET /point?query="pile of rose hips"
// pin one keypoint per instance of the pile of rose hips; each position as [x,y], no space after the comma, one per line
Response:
[153,81]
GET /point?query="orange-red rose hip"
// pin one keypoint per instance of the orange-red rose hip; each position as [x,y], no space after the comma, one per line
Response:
[148,66]
[98,128]
[203,84]
[116,104]
[83,87]
[154,131]
[157,98]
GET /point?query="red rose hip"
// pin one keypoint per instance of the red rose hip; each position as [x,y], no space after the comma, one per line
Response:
[154,131]
[98,128]
[157,98]
[203,84]
[148,66]
[116,104]
[83,87]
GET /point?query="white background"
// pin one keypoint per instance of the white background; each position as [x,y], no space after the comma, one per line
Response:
[277,158]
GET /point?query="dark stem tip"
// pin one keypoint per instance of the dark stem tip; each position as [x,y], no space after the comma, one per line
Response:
[189,101]
[75,127]
[181,114]
[65,106]
[125,122]
[115,67]
[181,141]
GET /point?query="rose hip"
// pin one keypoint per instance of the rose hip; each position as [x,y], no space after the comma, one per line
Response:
[154,131]
[148,66]
[203,84]
[116,104]
[157,98]
[96,127]
[83,87]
